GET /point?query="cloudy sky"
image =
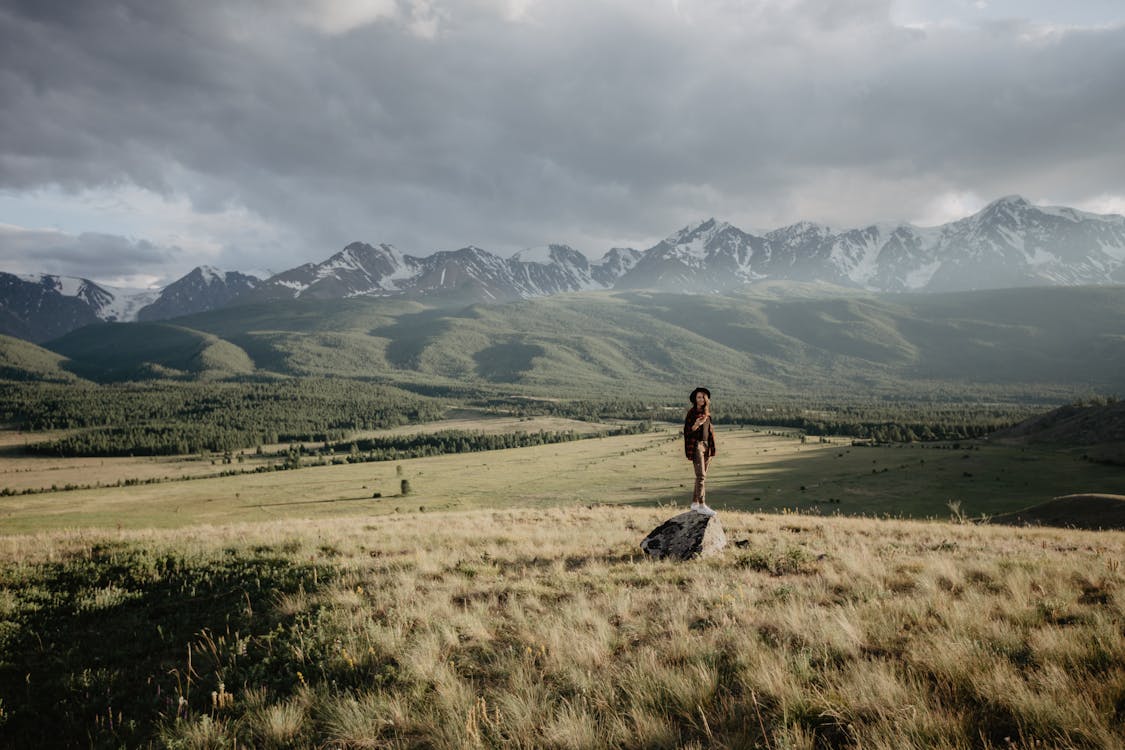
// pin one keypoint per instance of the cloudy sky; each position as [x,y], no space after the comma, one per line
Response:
[139,139]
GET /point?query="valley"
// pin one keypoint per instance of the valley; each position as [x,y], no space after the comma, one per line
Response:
[390,523]
[759,470]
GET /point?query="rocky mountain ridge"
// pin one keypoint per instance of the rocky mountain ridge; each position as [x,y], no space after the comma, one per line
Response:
[1010,243]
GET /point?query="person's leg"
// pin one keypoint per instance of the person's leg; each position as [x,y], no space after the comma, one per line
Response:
[699,495]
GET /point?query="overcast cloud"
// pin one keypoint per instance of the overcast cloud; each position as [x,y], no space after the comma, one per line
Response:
[266,134]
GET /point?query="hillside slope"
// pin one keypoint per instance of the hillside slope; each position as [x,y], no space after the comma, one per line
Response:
[1072,424]
[1086,511]
[1063,340]
[22,360]
[133,351]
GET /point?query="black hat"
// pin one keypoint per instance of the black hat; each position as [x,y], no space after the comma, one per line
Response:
[704,391]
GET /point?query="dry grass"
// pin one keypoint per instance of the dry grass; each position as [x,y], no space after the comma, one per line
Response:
[547,628]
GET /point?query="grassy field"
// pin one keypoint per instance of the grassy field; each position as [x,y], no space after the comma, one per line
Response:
[756,470]
[19,471]
[545,628]
[504,602]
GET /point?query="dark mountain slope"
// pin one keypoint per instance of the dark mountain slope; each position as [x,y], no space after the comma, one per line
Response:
[652,342]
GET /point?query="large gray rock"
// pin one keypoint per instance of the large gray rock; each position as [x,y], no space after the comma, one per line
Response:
[686,536]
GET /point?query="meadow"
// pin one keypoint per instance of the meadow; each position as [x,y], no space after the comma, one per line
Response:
[20,470]
[504,601]
[758,469]
[547,628]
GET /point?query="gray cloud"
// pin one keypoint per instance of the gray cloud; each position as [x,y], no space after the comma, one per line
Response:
[503,124]
[100,257]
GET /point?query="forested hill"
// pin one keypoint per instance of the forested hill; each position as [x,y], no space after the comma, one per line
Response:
[1060,342]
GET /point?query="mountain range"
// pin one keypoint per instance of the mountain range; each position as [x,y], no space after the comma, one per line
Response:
[1010,243]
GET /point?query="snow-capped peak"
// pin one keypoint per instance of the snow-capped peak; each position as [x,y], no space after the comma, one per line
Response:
[67,286]
[700,230]
[1012,206]
[693,243]
[1011,200]
[801,229]
[211,275]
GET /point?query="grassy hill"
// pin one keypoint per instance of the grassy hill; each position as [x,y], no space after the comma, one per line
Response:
[547,628]
[1085,511]
[22,360]
[1058,341]
[1098,427]
[1072,424]
[136,351]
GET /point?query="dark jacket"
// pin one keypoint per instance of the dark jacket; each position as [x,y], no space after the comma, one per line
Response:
[692,437]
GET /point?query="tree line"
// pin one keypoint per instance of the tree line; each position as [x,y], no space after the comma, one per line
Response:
[162,418]
[876,420]
[394,447]
[155,418]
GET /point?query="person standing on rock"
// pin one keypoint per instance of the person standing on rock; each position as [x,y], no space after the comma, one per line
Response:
[699,445]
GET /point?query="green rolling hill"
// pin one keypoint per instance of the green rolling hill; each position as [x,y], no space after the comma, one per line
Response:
[135,351]
[22,360]
[1053,341]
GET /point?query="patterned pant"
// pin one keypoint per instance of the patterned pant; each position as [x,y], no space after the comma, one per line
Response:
[701,460]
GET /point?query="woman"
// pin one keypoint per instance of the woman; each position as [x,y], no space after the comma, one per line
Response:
[699,445]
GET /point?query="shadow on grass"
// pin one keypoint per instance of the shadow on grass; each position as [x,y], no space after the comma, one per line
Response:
[96,651]
[897,481]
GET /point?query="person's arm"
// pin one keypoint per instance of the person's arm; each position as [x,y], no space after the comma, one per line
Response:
[687,436]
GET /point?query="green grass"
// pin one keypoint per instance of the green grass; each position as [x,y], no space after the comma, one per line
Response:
[98,644]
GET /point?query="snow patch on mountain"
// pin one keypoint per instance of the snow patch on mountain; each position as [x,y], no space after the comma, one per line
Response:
[109,303]
[1040,257]
[127,303]
[541,254]
[68,286]
[211,275]
[294,285]
[919,277]
[857,258]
